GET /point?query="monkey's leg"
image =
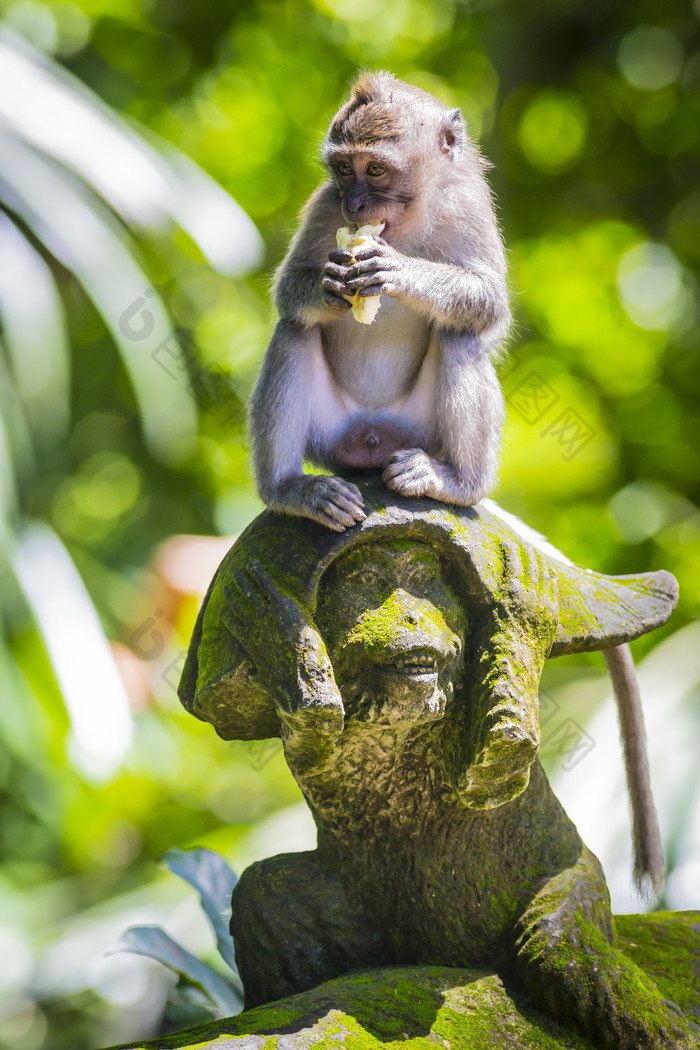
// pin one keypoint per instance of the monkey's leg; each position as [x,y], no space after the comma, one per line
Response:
[467,430]
[294,927]
[567,963]
[292,394]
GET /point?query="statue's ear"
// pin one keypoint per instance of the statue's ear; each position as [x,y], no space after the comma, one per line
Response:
[599,612]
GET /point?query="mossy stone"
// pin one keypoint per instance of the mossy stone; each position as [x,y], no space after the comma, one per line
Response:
[424,1008]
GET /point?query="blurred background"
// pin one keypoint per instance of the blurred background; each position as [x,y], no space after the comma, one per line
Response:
[154,155]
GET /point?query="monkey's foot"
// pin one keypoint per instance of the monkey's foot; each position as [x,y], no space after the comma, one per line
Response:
[412,472]
[331,501]
[568,967]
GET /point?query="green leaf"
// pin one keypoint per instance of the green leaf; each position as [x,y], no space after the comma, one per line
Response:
[155,943]
[78,229]
[147,181]
[34,331]
[214,880]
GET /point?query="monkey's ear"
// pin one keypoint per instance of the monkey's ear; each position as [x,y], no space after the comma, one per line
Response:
[452,133]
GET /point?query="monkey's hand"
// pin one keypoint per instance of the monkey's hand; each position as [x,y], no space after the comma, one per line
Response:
[467,298]
[381,270]
[333,280]
[331,501]
[290,659]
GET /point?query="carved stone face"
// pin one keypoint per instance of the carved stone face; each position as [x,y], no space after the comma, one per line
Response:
[393,629]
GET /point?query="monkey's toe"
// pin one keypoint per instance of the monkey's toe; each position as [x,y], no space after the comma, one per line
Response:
[409,472]
[334,502]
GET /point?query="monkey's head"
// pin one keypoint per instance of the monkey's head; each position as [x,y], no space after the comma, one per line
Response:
[390,144]
[394,631]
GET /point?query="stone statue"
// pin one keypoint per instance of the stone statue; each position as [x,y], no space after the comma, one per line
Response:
[400,663]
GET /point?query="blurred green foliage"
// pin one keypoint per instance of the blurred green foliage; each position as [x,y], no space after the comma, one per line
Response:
[590,113]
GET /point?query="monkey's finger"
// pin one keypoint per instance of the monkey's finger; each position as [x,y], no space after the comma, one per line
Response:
[346,489]
[336,302]
[337,273]
[377,289]
[373,251]
[332,509]
[370,280]
[330,519]
[341,256]
[333,285]
[392,470]
[369,266]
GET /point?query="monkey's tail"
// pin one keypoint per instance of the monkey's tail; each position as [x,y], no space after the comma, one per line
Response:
[649,867]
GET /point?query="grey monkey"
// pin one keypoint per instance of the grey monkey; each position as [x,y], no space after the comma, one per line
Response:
[415,394]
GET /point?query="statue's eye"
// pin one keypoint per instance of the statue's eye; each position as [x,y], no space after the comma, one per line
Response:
[375,169]
[344,168]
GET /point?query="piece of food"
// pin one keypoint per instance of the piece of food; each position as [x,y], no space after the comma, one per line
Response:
[352,239]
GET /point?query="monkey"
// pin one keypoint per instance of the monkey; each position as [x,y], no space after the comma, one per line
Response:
[414,395]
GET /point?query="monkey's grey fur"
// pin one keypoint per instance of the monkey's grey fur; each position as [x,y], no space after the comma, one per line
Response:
[415,394]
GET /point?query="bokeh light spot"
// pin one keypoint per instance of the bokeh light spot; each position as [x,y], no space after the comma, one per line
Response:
[650,286]
[638,511]
[552,131]
[650,58]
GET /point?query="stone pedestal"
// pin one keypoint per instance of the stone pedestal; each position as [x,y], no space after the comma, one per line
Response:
[424,1008]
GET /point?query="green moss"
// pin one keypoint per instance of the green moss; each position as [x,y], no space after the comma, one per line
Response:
[419,1008]
[377,628]
[659,943]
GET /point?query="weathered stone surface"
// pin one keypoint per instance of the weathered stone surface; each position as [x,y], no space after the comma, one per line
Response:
[433,1007]
[400,663]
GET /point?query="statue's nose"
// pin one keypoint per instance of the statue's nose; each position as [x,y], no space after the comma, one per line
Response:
[407,607]
[418,623]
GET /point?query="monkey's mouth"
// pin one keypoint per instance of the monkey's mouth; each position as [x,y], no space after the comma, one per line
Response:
[415,663]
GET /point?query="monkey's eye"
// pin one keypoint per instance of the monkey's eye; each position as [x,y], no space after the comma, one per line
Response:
[344,168]
[375,169]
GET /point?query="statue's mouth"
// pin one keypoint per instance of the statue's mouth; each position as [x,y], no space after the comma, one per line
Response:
[414,663]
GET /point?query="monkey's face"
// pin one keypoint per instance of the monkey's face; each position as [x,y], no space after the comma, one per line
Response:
[393,630]
[373,187]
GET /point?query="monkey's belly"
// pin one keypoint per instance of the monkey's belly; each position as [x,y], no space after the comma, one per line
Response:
[367,444]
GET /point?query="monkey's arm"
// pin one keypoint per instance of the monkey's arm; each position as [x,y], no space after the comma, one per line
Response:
[291,664]
[471,297]
[308,285]
[294,376]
